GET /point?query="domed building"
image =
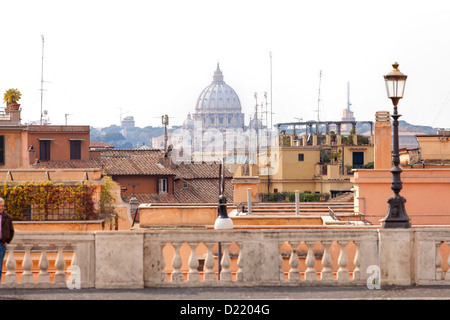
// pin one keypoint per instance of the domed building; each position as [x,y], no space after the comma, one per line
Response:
[188,124]
[218,106]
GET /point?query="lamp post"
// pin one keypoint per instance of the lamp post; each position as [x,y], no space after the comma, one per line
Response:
[134,207]
[396,216]
[223,221]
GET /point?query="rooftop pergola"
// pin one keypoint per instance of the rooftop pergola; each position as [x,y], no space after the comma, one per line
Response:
[309,125]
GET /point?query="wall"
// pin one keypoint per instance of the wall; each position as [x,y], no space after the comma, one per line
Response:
[434,147]
[152,215]
[290,174]
[426,192]
[143,184]
[13,148]
[51,226]
[60,145]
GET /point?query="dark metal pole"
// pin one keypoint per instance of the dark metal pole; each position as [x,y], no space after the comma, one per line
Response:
[396,216]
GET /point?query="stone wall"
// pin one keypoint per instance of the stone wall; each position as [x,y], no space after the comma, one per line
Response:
[291,257]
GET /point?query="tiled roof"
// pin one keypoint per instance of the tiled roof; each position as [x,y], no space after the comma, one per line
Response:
[202,178]
[137,162]
[56,128]
[198,191]
[99,144]
[203,191]
[117,162]
[199,170]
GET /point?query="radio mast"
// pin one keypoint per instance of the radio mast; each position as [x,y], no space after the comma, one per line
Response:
[42,76]
[348,96]
[318,98]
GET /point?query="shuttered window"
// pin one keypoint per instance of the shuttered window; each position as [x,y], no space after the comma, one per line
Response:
[2,150]
[44,150]
[75,150]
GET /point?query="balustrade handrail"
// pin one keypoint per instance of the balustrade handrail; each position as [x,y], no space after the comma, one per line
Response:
[189,257]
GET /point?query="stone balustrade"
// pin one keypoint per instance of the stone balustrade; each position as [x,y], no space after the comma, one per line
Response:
[204,257]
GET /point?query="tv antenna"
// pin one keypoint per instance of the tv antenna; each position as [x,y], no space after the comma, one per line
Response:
[165,122]
[348,96]
[66,116]
[271,113]
[42,76]
[318,98]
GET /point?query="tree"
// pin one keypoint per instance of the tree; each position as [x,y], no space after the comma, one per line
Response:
[113,138]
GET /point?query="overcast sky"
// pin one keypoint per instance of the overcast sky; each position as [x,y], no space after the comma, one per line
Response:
[104,60]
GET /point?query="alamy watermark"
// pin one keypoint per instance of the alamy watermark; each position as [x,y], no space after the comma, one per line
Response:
[197,145]
[74,280]
[374,280]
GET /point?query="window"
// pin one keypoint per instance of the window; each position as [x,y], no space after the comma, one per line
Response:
[358,159]
[2,150]
[44,150]
[301,157]
[185,185]
[75,149]
[162,185]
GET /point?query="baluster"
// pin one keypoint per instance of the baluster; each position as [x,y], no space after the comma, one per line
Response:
[310,272]
[357,262]
[163,263]
[280,262]
[27,265]
[343,274]
[74,261]
[11,276]
[240,264]
[447,274]
[193,274]
[439,274]
[225,273]
[209,273]
[60,264]
[327,272]
[177,274]
[294,273]
[43,276]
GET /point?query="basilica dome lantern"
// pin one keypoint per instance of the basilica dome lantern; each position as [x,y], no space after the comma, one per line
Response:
[218,105]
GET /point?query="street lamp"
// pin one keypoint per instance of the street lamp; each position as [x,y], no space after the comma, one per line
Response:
[134,207]
[396,216]
[223,221]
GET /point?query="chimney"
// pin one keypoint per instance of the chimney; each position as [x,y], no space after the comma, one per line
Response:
[13,110]
[383,140]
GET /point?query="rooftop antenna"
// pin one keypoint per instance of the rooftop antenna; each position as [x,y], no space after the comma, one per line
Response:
[348,96]
[318,98]
[271,89]
[256,124]
[66,116]
[165,122]
[42,76]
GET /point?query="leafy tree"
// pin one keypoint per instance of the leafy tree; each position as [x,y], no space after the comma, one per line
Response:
[113,138]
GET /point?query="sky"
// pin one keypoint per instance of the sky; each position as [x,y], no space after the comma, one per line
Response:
[104,60]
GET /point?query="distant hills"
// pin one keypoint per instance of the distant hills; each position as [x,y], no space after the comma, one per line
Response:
[136,137]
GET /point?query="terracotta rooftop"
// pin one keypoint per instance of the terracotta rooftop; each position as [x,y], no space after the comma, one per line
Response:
[201,178]
[57,128]
[117,162]
[137,162]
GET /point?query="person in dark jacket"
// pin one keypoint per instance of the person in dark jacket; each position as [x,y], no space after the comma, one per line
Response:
[6,232]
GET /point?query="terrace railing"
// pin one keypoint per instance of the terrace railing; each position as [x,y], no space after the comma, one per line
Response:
[191,257]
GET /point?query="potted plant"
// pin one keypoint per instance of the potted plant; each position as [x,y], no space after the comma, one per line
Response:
[334,157]
[11,97]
